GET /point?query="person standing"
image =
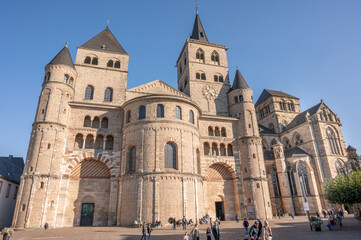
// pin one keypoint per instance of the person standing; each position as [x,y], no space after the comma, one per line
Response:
[184,222]
[209,233]
[195,233]
[237,218]
[174,224]
[149,230]
[186,236]
[259,228]
[293,216]
[144,236]
[245,225]
[267,233]
[215,231]
[253,232]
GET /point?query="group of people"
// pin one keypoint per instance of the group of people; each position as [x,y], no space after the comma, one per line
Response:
[257,231]
[213,230]
[146,228]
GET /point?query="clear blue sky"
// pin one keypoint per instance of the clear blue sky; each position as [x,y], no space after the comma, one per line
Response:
[310,49]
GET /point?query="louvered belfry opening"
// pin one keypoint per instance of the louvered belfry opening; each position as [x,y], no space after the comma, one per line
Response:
[90,168]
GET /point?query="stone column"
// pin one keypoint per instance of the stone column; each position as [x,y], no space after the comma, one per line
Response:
[283,178]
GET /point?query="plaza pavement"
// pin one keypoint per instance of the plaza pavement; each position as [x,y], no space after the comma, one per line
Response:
[283,229]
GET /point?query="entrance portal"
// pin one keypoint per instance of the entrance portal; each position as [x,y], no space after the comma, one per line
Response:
[220,210]
[87,214]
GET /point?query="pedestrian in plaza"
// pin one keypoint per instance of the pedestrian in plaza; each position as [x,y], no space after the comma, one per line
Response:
[215,231]
[186,236]
[184,222]
[324,213]
[279,213]
[245,225]
[293,216]
[135,223]
[267,231]
[149,230]
[174,224]
[259,228]
[144,235]
[253,232]
[195,233]
[237,218]
[209,233]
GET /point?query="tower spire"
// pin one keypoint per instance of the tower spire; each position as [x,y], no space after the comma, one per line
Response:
[198,32]
[239,82]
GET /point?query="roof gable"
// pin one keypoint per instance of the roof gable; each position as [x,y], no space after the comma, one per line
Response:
[268,93]
[302,117]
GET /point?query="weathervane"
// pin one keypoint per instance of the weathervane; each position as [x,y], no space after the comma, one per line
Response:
[197,6]
[108,23]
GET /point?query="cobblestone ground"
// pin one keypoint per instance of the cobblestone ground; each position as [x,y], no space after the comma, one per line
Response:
[283,229]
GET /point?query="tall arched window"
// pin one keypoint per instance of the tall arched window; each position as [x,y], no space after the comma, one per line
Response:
[142,112]
[131,159]
[223,132]
[79,141]
[198,161]
[160,111]
[47,76]
[99,142]
[170,155]
[191,116]
[87,60]
[200,55]
[66,78]
[341,168]
[109,144]
[96,122]
[215,78]
[95,61]
[89,142]
[215,58]
[89,91]
[178,112]
[210,131]
[203,76]
[104,122]
[230,150]
[302,173]
[108,95]
[87,121]
[275,183]
[215,149]
[332,141]
[206,149]
[128,116]
[287,143]
[216,132]
[222,149]
[291,180]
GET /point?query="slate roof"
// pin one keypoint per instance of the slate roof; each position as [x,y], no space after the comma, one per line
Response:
[11,168]
[293,151]
[63,57]
[198,32]
[350,148]
[107,39]
[265,130]
[239,82]
[301,118]
[268,93]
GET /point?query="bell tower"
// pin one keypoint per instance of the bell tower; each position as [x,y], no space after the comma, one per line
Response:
[202,69]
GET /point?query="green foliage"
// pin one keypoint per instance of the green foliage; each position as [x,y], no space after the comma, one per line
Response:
[344,189]
[7,231]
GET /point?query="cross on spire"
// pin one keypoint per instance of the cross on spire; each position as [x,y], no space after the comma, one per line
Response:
[108,23]
[197,6]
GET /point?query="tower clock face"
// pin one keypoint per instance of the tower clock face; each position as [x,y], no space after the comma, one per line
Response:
[209,92]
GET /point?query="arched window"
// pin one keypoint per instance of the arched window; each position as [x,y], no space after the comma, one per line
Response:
[223,132]
[109,143]
[215,58]
[142,112]
[170,156]
[341,168]
[131,159]
[178,113]
[332,141]
[206,148]
[104,122]
[215,149]
[99,142]
[216,132]
[220,78]
[203,76]
[47,76]
[71,81]
[96,122]
[191,116]
[95,61]
[128,116]
[200,55]
[222,149]
[160,111]
[79,141]
[117,64]
[198,76]
[89,142]
[291,180]
[241,98]
[275,183]
[215,78]
[66,78]
[287,143]
[236,99]
[297,139]
[302,173]
[198,161]
[292,106]
[87,122]
[87,60]
[230,150]
[89,91]
[210,131]
[110,63]
[108,95]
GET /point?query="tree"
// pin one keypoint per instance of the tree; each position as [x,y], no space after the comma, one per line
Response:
[344,189]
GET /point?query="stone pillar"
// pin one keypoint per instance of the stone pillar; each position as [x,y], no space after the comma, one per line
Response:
[283,178]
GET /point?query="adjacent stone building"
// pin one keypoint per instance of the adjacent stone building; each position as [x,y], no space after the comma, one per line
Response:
[103,154]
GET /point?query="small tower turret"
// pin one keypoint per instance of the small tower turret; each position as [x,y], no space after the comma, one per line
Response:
[256,201]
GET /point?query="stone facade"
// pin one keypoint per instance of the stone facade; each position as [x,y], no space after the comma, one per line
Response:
[102,154]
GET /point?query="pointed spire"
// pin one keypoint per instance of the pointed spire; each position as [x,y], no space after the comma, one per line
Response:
[198,32]
[63,57]
[239,82]
[105,41]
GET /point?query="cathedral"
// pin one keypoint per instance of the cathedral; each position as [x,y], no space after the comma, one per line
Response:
[102,154]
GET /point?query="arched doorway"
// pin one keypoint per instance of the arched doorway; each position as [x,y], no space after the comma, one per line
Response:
[219,206]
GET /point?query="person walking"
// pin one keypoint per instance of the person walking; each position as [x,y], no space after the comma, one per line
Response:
[215,231]
[253,232]
[259,228]
[174,224]
[245,225]
[149,230]
[293,216]
[144,235]
[267,231]
[184,222]
[195,232]
[237,218]
[209,233]
[186,236]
